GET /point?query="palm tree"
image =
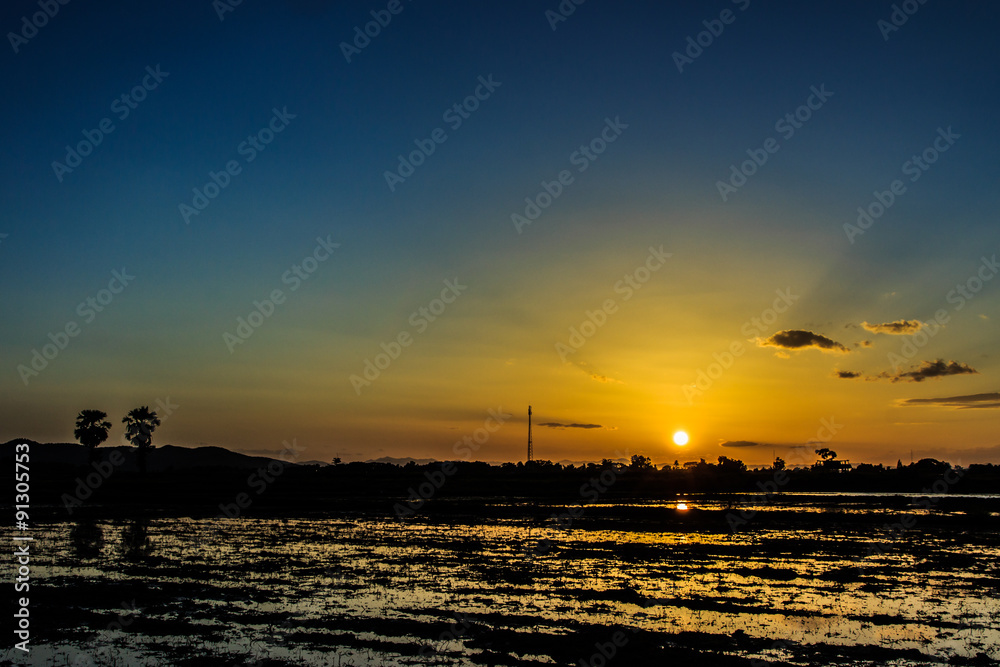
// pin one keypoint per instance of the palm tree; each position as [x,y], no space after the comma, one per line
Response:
[91,429]
[139,426]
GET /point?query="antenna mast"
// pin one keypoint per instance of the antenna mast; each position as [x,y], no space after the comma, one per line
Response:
[531,452]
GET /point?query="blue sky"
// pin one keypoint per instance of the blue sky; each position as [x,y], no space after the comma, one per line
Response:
[323,175]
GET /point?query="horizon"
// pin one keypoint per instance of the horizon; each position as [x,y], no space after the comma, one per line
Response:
[423,461]
[277,229]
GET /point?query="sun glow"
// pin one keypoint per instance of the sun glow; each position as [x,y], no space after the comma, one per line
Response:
[680,438]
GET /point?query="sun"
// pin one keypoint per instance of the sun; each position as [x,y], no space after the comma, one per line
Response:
[680,438]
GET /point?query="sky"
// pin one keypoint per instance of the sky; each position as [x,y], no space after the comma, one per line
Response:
[386,228]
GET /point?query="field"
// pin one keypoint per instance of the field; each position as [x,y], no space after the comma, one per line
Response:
[808,580]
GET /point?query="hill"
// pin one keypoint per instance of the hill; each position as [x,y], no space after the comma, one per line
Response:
[163,458]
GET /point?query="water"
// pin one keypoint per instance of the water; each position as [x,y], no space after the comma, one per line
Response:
[365,590]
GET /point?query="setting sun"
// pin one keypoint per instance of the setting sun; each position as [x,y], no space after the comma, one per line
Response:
[680,438]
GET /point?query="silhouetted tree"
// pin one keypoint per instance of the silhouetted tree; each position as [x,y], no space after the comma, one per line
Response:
[612,464]
[779,463]
[640,462]
[91,429]
[336,460]
[139,426]
[731,465]
[931,466]
[826,454]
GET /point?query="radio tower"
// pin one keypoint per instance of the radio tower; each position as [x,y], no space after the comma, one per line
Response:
[531,452]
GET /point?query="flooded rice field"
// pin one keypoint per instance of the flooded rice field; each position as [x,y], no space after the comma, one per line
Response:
[596,586]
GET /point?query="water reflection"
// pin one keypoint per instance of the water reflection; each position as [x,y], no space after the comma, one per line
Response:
[369,591]
[135,543]
[87,538]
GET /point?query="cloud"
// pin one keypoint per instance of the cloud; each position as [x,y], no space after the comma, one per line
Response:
[985,454]
[738,443]
[934,369]
[990,400]
[558,425]
[847,375]
[799,339]
[593,374]
[897,328]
